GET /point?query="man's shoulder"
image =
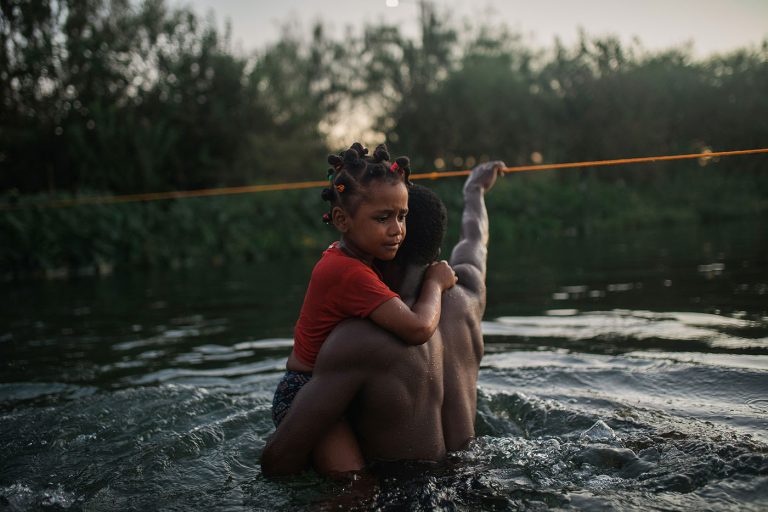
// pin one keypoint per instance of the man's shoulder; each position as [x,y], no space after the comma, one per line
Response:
[471,281]
[463,301]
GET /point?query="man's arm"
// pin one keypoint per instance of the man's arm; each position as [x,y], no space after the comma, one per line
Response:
[320,404]
[469,256]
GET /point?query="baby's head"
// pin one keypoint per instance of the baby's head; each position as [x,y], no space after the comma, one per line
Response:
[353,171]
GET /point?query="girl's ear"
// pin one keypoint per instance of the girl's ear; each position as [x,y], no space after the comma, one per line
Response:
[340,219]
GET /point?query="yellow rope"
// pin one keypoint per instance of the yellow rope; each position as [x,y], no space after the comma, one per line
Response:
[157,196]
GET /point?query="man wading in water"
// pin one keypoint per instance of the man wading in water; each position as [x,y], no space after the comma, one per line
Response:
[403,402]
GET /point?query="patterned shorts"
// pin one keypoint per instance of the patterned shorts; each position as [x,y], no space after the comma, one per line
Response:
[286,391]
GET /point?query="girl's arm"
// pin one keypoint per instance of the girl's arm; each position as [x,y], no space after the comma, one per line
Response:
[416,326]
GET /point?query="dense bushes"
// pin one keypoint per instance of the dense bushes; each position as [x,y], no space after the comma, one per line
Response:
[122,97]
[265,226]
[95,238]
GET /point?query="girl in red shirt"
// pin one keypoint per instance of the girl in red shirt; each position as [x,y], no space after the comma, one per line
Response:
[369,204]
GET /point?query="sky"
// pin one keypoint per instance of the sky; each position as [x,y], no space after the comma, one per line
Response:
[713,26]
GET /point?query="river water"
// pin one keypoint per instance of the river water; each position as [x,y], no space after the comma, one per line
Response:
[622,372]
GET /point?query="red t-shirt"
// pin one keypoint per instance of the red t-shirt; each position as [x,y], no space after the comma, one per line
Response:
[340,287]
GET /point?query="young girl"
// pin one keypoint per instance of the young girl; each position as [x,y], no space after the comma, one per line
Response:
[369,203]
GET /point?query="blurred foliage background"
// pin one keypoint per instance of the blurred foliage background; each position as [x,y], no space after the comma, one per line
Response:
[113,97]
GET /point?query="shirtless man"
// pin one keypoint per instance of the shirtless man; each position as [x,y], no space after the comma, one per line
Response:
[404,402]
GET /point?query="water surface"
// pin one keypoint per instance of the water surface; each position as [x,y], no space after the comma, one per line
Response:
[622,372]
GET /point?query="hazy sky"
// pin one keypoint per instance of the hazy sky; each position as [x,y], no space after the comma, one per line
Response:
[712,25]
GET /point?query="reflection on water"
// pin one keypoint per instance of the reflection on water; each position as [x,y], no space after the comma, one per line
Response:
[636,328]
[618,375]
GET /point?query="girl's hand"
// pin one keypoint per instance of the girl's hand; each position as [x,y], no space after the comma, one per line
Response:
[442,273]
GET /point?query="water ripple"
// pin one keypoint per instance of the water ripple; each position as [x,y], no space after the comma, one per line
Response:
[614,328]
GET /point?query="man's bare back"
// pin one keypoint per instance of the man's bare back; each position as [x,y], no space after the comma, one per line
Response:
[404,402]
[417,402]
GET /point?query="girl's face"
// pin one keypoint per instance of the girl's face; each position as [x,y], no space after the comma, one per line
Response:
[377,228]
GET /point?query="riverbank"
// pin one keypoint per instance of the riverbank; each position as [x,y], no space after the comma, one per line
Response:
[255,228]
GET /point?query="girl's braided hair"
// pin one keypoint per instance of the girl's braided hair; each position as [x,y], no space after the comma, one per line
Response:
[353,170]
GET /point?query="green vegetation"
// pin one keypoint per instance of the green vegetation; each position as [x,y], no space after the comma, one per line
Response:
[168,234]
[264,227]
[114,97]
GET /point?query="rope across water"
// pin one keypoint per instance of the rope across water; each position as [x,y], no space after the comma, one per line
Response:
[250,189]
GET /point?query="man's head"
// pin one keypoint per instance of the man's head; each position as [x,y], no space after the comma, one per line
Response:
[427,222]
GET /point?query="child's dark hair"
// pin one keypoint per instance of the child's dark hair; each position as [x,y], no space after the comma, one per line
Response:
[427,222]
[352,171]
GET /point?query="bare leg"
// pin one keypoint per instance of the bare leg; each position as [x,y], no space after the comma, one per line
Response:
[338,451]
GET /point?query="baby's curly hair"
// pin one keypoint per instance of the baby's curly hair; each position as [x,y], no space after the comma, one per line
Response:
[352,171]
